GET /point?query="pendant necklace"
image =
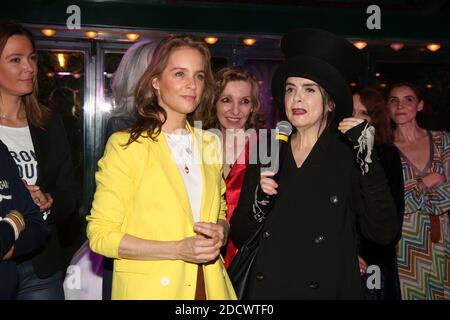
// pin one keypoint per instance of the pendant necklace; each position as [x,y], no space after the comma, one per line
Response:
[181,148]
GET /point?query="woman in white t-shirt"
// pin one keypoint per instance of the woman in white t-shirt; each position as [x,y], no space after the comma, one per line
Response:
[38,144]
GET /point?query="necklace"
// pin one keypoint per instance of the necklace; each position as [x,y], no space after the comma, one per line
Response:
[181,149]
[189,152]
[11,116]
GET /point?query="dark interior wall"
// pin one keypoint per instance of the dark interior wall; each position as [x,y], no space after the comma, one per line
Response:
[348,21]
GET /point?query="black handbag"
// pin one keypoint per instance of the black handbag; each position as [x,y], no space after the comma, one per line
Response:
[240,267]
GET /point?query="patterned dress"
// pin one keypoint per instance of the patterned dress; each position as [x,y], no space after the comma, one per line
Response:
[424,249]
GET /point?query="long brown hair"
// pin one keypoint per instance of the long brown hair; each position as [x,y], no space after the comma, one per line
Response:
[256,119]
[36,113]
[151,116]
[377,110]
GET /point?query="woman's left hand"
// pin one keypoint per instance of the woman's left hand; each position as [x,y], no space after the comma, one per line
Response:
[217,231]
[42,199]
[349,123]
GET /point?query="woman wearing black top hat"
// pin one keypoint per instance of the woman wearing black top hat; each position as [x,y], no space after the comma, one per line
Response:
[308,248]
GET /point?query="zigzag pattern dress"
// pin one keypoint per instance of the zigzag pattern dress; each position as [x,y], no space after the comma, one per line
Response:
[424,265]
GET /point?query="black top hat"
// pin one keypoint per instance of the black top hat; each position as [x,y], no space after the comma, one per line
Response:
[322,57]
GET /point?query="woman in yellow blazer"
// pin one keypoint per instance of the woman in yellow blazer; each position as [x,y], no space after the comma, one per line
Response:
[159,209]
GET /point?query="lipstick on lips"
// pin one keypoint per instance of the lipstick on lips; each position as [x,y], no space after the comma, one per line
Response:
[298,111]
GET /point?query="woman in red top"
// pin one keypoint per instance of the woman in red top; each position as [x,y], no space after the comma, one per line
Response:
[237,114]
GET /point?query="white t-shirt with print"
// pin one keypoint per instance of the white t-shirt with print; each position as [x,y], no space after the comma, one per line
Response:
[20,146]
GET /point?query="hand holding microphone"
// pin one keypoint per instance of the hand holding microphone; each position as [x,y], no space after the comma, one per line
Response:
[267,188]
[268,184]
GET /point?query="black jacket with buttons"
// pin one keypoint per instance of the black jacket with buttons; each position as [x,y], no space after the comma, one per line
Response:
[308,248]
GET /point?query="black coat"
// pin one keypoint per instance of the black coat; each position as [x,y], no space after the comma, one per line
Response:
[309,244]
[55,176]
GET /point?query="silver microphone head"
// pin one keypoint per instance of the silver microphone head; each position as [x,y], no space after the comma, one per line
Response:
[284,128]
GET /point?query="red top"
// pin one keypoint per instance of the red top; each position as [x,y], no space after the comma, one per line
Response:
[234,182]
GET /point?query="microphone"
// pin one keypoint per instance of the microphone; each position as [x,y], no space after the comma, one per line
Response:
[282,132]
[263,202]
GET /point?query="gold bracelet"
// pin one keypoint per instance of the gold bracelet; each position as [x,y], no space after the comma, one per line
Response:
[16,222]
[18,216]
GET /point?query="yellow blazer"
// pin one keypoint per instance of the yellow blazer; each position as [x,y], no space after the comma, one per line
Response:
[140,192]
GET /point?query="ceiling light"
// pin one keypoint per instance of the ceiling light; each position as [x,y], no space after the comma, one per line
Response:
[433,47]
[249,41]
[360,44]
[91,34]
[397,46]
[132,36]
[49,32]
[211,40]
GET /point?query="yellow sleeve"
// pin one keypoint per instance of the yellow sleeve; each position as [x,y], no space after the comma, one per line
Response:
[223,186]
[223,204]
[112,197]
